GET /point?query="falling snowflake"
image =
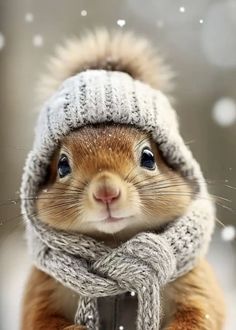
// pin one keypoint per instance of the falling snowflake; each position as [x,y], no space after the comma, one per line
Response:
[29,17]
[228,233]
[83,12]
[182,9]
[201,21]
[38,40]
[224,111]
[121,22]
[2,41]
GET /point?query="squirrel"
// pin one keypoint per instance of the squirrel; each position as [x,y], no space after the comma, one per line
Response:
[110,182]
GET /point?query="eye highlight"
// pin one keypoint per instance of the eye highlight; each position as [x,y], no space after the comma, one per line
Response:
[63,166]
[147,159]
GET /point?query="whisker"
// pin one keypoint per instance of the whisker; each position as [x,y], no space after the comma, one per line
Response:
[220,222]
[231,187]
[187,195]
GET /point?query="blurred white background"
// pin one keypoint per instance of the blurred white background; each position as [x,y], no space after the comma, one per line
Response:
[198,40]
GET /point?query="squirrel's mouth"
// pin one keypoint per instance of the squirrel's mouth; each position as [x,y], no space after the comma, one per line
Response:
[113,219]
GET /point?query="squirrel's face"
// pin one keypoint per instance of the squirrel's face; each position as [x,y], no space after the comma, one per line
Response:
[111,179]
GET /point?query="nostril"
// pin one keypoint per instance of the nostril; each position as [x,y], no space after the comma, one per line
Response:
[106,195]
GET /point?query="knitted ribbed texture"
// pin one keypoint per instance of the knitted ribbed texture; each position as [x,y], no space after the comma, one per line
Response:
[147,261]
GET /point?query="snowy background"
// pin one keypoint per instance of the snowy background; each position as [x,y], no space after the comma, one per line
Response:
[196,37]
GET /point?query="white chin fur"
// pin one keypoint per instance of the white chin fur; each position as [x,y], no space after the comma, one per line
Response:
[112,227]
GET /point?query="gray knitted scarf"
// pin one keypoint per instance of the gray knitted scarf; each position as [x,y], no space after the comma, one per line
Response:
[146,262]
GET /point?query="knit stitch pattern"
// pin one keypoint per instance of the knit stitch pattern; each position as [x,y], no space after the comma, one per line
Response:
[147,261]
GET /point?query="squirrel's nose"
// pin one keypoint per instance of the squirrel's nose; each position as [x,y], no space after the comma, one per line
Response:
[106,194]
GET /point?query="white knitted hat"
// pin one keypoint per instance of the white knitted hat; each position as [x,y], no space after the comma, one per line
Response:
[97,96]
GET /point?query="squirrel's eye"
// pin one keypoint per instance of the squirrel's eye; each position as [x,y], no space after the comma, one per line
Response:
[63,166]
[147,159]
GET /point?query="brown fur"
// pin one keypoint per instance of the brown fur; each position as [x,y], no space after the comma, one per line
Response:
[43,304]
[109,155]
[199,303]
[94,154]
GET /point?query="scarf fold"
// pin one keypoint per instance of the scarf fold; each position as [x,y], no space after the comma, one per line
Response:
[143,264]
